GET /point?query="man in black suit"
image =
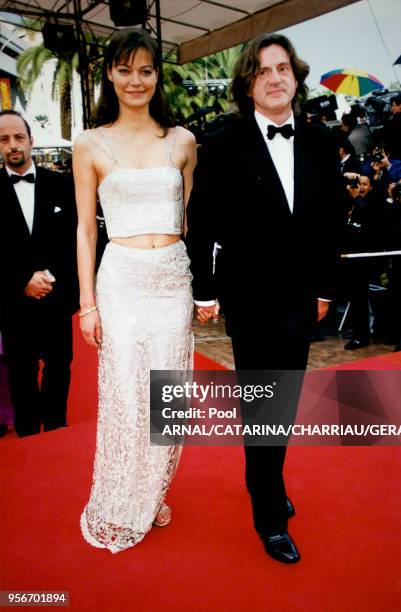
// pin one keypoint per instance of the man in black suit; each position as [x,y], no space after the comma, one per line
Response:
[348,161]
[266,189]
[38,270]
[392,128]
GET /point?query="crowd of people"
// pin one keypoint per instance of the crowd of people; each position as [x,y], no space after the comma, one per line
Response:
[267,188]
[370,164]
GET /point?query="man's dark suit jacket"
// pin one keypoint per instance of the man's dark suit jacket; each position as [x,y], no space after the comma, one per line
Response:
[352,164]
[52,244]
[269,257]
[392,136]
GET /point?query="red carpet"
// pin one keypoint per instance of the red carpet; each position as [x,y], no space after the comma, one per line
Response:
[347,526]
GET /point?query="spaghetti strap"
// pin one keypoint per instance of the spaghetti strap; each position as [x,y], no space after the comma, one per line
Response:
[110,151]
[171,150]
[105,148]
[97,144]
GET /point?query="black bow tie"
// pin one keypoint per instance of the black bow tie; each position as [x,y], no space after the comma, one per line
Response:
[285,130]
[29,178]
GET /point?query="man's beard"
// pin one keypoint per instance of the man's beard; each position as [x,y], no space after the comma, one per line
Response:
[15,163]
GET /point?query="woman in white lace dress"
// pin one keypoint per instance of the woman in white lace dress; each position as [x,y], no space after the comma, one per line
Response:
[140,314]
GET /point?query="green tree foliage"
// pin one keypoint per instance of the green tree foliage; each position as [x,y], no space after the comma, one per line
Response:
[30,65]
[186,99]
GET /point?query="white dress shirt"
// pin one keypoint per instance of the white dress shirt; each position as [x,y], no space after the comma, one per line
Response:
[342,162]
[26,195]
[282,153]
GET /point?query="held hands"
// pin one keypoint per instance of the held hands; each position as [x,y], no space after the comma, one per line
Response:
[204,313]
[39,285]
[322,309]
[91,328]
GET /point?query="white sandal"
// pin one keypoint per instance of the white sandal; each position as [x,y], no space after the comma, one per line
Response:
[163,517]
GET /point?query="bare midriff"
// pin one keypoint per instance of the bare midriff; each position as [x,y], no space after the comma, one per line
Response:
[148,241]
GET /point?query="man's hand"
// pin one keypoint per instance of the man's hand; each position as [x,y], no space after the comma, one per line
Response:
[390,190]
[322,309]
[39,286]
[352,175]
[385,163]
[204,313]
[353,191]
[379,166]
[378,169]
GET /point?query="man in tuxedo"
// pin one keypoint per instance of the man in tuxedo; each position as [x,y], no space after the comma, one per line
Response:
[348,161]
[392,128]
[267,190]
[40,288]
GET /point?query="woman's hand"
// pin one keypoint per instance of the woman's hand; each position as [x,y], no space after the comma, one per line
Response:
[204,313]
[92,329]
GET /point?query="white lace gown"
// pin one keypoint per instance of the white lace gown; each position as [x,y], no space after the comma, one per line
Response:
[145,305]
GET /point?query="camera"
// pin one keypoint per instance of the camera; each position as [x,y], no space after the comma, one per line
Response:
[378,156]
[352,182]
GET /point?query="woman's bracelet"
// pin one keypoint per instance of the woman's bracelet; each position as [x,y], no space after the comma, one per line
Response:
[83,314]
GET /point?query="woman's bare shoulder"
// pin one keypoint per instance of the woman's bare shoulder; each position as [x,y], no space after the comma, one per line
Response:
[185,136]
[88,138]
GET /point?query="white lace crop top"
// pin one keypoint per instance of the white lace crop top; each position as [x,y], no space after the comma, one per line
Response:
[139,201]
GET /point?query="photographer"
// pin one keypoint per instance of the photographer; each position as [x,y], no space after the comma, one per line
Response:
[361,234]
[354,127]
[382,170]
[360,136]
[348,160]
[392,128]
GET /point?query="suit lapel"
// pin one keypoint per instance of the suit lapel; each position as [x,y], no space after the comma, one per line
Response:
[14,207]
[301,167]
[40,203]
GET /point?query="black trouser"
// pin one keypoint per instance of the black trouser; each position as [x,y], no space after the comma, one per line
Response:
[283,345]
[394,299]
[36,332]
[357,273]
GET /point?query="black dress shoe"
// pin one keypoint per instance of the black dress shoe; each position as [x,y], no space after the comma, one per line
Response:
[355,344]
[281,548]
[290,508]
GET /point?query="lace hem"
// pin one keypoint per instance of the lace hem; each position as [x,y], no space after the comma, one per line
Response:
[90,539]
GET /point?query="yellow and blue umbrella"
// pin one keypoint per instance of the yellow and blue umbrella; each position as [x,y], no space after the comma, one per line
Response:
[350,82]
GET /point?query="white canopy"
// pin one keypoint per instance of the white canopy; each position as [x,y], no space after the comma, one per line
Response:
[192,28]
